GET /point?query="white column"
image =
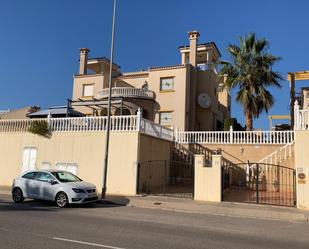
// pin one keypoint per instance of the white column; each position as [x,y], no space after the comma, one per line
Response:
[302,187]
[296,116]
[207,180]
[139,117]
[48,120]
[176,134]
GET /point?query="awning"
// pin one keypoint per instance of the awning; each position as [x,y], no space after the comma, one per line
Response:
[56,112]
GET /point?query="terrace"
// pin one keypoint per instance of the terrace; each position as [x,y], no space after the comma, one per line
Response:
[137,123]
[125,123]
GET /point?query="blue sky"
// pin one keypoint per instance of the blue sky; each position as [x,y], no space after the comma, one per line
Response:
[40,40]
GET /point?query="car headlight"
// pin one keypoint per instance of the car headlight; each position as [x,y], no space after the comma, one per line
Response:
[78,190]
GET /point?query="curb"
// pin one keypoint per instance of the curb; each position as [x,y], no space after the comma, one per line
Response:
[225,211]
[196,208]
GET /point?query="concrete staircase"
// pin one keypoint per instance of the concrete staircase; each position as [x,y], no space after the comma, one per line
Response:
[186,153]
[284,156]
[201,150]
[181,154]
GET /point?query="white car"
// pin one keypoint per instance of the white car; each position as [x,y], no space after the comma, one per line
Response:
[62,187]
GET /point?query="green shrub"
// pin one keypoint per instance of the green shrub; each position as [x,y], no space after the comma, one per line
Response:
[39,127]
[229,122]
[232,122]
[239,127]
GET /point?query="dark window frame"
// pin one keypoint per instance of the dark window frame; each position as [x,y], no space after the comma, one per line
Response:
[40,180]
[34,175]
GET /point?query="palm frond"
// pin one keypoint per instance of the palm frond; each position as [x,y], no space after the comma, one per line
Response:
[250,70]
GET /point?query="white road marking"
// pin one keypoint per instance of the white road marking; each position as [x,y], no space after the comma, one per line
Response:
[87,243]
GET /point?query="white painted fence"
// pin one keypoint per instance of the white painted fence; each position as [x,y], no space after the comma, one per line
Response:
[301,118]
[137,123]
[118,123]
[235,137]
[86,124]
[279,155]
[156,130]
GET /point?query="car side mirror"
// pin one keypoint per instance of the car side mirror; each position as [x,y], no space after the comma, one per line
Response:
[52,182]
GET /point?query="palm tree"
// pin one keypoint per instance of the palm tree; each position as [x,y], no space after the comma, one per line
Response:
[250,70]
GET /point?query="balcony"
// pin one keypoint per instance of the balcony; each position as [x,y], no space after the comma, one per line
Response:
[208,66]
[126,92]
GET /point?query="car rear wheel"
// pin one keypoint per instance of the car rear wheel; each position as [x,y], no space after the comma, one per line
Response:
[62,200]
[17,195]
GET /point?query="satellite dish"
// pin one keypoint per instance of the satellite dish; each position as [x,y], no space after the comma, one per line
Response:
[204,100]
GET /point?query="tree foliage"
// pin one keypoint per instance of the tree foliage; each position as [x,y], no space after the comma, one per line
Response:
[250,71]
[39,127]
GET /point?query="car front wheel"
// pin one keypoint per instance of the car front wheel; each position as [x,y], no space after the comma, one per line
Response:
[62,200]
[17,195]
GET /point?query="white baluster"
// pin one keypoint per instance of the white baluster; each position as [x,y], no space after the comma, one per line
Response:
[231,135]
[139,117]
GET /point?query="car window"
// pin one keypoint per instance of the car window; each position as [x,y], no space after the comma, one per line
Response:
[64,176]
[43,176]
[29,175]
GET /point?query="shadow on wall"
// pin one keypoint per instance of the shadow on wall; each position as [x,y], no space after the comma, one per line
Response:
[232,156]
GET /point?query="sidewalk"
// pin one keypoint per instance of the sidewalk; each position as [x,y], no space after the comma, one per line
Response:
[198,207]
[222,209]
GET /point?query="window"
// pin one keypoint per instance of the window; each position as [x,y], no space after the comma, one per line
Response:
[29,175]
[46,165]
[66,177]
[166,118]
[29,159]
[87,90]
[307,95]
[202,67]
[43,176]
[167,84]
[187,59]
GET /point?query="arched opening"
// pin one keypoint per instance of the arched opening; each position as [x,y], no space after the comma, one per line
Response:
[145,114]
[103,112]
[125,111]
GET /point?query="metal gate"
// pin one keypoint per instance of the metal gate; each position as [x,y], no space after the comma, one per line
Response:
[259,183]
[166,178]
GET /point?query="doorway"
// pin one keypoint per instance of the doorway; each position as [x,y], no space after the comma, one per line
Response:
[29,158]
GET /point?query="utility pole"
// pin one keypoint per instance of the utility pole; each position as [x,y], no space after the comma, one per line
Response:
[109,105]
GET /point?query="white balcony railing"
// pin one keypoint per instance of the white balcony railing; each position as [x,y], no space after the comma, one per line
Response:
[279,155]
[86,124]
[301,117]
[127,92]
[137,123]
[302,120]
[153,129]
[118,123]
[235,137]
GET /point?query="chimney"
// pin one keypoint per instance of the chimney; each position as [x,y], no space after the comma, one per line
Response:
[83,59]
[193,37]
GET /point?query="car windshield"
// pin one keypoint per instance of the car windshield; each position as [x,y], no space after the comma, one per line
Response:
[64,176]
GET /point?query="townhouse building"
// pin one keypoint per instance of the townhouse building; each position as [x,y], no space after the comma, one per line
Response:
[187,95]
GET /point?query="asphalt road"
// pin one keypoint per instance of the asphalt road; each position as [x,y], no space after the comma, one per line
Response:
[40,225]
